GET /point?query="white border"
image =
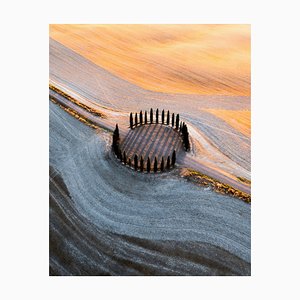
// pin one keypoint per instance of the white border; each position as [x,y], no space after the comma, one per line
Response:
[24,155]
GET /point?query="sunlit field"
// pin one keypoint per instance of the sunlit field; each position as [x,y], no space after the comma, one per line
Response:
[239,120]
[190,59]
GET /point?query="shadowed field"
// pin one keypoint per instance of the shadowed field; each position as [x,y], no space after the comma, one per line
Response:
[106,219]
[78,247]
[189,59]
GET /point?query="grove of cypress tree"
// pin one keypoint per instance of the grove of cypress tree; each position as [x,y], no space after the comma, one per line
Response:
[163,116]
[141,164]
[155,165]
[157,116]
[168,163]
[148,165]
[173,158]
[131,120]
[168,118]
[177,121]
[141,117]
[135,162]
[146,121]
[162,164]
[136,119]
[151,115]
[173,117]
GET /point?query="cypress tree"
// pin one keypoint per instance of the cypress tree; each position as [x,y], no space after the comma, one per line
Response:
[162,164]
[173,158]
[124,157]
[141,164]
[163,116]
[183,130]
[148,165]
[186,141]
[135,162]
[168,118]
[120,155]
[151,115]
[157,116]
[136,119]
[115,148]
[168,163]
[129,162]
[141,117]
[116,139]
[173,117]
[155,165]
[177,121]
[114,144]
[116,132]
[131,120]
[146,121]
[180,127]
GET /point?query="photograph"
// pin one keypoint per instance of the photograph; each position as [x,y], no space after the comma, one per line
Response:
[149,149]
[164,163]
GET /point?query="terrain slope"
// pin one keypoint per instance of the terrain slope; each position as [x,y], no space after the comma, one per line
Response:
[109,220]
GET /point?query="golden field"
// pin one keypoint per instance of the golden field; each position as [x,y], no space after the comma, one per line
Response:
[239,120]
[189,59]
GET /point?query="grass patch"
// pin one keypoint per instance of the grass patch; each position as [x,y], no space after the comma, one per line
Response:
[78,103]
[75,114]
[217,186]
[244,180]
